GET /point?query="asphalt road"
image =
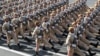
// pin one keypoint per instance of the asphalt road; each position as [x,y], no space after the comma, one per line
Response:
[28,49]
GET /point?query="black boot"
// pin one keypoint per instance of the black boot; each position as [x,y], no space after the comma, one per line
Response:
[44,48]
[55,49]
[66,31]
[99,31]
[28,40]
[64,34]
[30,34]
[90,53]
[9,46]
[95,45]
[3,36]
[51,43]
[98,38]
[18,45]
[61,42]
[36,54]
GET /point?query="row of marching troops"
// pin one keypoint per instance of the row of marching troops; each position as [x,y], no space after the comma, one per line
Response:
[86,26]
[23,16]
[45,20]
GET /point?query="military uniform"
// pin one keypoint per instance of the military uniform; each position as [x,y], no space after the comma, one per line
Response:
[8,30]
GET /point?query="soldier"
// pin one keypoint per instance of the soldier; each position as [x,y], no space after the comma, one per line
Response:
[81,43]
[8,30]
[72,45]
[88,33]
[23,27]
[37,33]
[16,23]
[1,33]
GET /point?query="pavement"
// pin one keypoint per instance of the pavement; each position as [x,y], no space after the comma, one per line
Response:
[28,49]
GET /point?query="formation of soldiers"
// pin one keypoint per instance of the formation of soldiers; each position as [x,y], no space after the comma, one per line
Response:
[46,20]
[85,27]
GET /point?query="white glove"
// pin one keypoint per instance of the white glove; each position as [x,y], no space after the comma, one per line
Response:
[9,32]
[39,36]
[46,30]
[79,32]
[88,24]
[11,24]
[80,35]
[24,22]
[53,27]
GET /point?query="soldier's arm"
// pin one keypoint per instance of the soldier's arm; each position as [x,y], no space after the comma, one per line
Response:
[34,33]
[68,41]
[4,29]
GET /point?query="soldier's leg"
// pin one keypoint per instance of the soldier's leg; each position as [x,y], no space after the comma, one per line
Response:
[22,31]
[46,43]
[0,30]
[17,31]
[86,47]
[79,52]
[60,28]
[37,46]
[83,45]
[70,51]
[22,28]
[88,43]
[1,33]
[53,37]
[97,23]
[89,35]
[15,38]
[8,39]
[83,39]
[93,30]
[58,32]
[29,27]
[97,18]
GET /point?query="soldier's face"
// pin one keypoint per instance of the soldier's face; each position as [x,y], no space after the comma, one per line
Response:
[6,20]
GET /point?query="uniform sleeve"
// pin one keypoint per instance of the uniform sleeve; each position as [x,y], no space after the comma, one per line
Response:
[4,29]
[34,34]
[68,40]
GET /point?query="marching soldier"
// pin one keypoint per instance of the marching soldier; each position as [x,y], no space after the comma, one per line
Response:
[38,34]
[72,45]
[1,33]
[16,23]
[23,27]
[8,30]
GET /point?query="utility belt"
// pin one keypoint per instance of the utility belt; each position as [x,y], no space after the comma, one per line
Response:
[9,32]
